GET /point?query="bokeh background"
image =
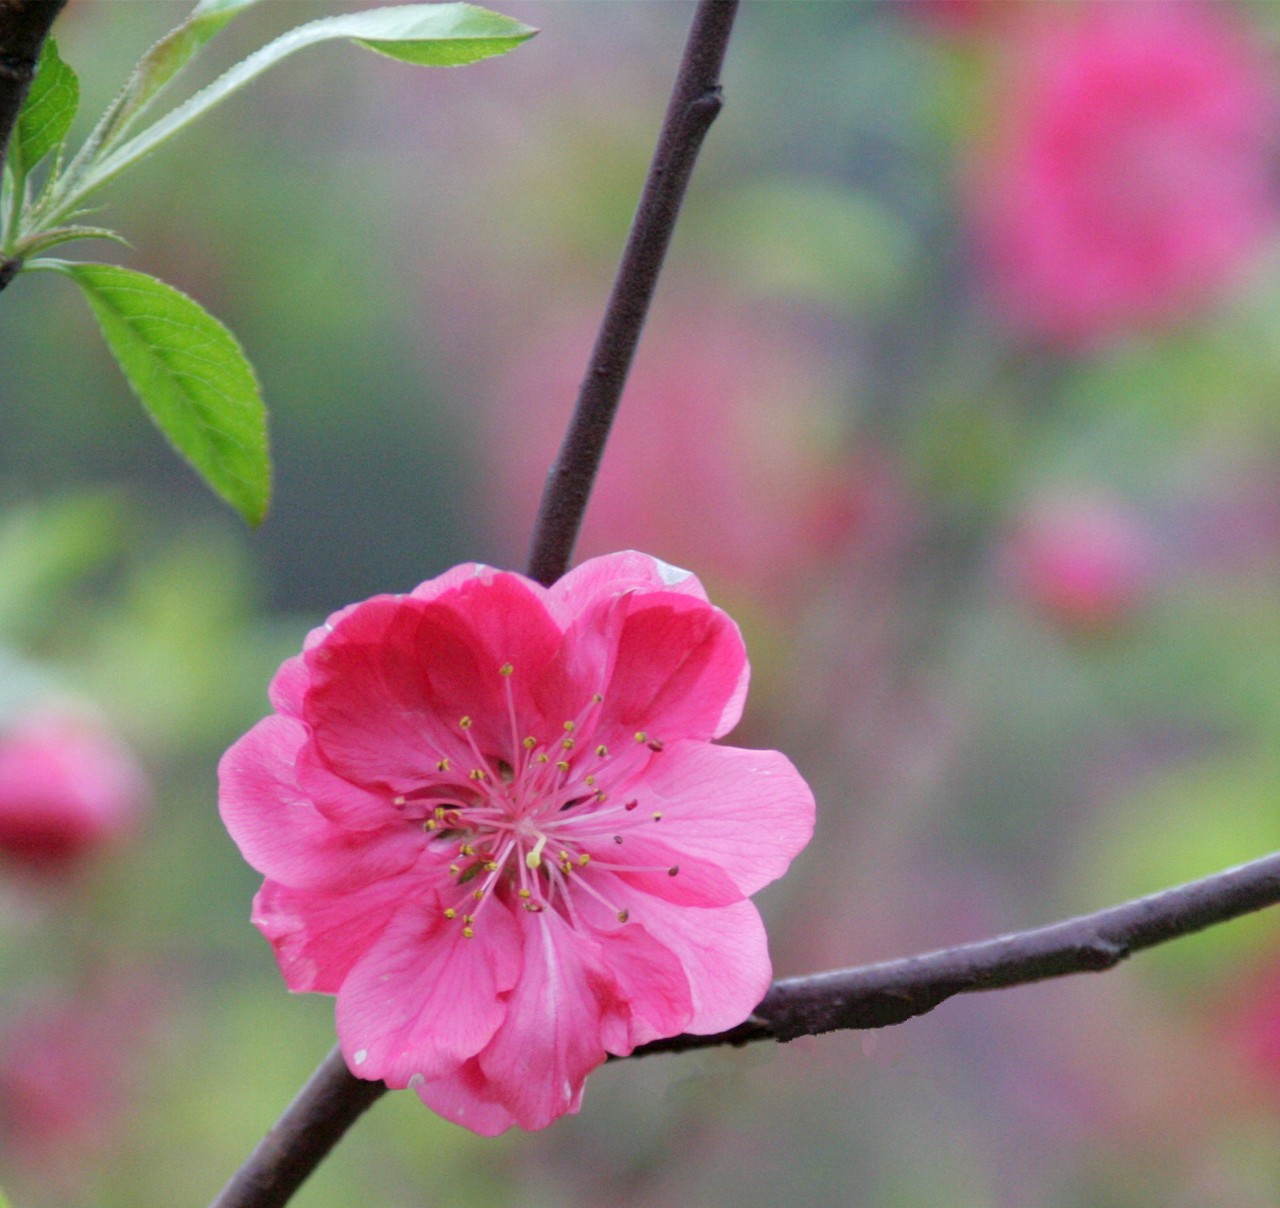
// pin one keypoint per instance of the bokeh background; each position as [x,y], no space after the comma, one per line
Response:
[961,392]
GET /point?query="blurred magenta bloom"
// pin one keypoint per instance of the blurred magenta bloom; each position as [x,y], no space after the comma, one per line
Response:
[68,788]
[1129,172]
[492,821]
[726,453]
[1086,563]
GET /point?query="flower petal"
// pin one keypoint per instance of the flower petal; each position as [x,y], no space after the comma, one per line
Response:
[466,1098]
[281,833]
[747,812]
[551,1037]
[614,575]
[319,935]
[724,953]
[424,998]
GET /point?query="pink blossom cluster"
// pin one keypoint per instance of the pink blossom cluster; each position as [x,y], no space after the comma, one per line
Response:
[1130,171]
[494,823]
[68,788]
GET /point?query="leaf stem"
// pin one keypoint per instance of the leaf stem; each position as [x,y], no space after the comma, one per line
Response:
[695,102]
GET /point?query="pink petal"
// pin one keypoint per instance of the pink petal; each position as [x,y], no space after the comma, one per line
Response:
[651,980]
[281,833]
[748,812]
[680,670]
[647,864]
[319,935]
[614,575]
[551,1038]
[724,953]
[424,998]
[466,1098]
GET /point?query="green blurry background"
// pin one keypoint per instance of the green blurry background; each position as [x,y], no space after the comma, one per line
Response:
[829,422]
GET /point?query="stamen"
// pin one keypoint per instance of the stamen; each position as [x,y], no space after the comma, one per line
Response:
[464,722]
[506,669]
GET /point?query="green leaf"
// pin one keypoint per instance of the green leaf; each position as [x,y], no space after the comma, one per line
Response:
[190,374]
[446,35]
[163,61]
[49,109]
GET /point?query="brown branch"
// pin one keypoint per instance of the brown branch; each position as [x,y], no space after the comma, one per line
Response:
[875,996]
[24,25]
[333,1099]
[313,1124]
[695,102]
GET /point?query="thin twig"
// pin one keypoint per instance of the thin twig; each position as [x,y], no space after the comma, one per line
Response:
[311,1126]
[875,996]
[24,25]
[695,102]
[333,1099]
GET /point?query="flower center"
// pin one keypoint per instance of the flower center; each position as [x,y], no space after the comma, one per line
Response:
[528,823]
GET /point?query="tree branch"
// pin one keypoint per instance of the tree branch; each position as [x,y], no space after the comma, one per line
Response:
[875,996]
[24,25]
[333,1099]
[311,1126]
[695,102]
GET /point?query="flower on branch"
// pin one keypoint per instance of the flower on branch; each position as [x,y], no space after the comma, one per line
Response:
[493,822]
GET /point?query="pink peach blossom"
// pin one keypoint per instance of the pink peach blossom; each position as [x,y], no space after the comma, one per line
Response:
[1129,175]
[1085,562]
[493,822]
[68,787]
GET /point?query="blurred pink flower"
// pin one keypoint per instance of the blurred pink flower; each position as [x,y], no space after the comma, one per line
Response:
[66,1062]
[68,788]
[1085,563]
[726,453]
[1129,174]
[493,822]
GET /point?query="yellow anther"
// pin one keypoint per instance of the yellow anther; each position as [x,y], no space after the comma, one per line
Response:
[505,669]
[450,913]
[567,744]
[570,725]
[524,893]
[478,894]
[533,859]
[623,915]
[430,824]
[491,866]
[439,812]
[465,722]
[602,750]
[533,907]
[529,743]
[590,782]
[566,868]
[597,699]
[468,918]
[442,765]
[397,800]
[455,870]
[641,736]
[476,773]
[657,817]
[584,860]
[468,932]
[602,796]
[543,757]
[562,764]
[466,850]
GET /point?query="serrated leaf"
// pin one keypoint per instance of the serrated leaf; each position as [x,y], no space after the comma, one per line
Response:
[190,374]
[164,60]
[48,110]
[432,34]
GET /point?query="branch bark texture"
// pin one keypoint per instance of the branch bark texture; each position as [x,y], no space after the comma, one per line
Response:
[876,996]
[695,102]
[24,25]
